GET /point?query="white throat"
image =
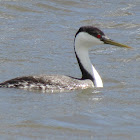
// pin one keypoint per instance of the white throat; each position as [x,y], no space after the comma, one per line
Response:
[83,42]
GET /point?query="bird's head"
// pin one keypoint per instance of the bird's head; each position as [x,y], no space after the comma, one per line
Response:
[89,36]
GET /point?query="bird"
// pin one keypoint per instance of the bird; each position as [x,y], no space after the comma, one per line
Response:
[85,38]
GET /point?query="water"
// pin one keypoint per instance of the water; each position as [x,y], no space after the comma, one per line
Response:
[37,37]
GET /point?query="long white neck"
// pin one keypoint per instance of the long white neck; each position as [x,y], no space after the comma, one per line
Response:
[87,69]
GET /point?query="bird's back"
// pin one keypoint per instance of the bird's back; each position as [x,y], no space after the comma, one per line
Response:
[47,83]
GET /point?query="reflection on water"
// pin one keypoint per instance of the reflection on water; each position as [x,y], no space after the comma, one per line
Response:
[37,37]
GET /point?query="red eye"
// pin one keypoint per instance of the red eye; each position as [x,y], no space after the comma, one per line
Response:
[98,36]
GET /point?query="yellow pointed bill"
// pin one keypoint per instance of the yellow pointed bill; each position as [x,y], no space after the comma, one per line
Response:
[111,42]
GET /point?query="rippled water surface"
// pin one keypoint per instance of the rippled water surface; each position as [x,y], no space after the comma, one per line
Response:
[37,37]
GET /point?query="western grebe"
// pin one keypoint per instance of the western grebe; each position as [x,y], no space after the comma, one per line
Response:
[85,38]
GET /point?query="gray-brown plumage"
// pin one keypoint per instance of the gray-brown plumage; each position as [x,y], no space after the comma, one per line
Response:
[47,83]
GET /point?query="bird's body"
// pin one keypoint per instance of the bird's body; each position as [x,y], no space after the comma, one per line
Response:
[85,38]
[48,83]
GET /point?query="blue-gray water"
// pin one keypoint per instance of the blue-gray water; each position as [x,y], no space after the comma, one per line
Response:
[37,37]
